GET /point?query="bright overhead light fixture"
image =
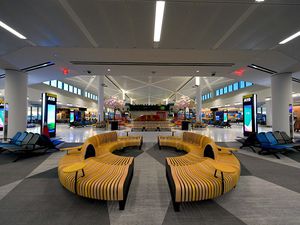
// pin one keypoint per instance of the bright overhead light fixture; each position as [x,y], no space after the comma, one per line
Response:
[11,30]
[197,81]
[290,38]
[259,0]
[159,16]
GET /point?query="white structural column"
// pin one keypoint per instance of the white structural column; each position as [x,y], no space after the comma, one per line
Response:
[269,112]
[16,98]
[281,88]
[198,103]
[101,98]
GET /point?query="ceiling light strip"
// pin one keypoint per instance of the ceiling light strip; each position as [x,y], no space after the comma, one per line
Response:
[262,69]
[290,38]
[11,30]
[159,16]
[39,66]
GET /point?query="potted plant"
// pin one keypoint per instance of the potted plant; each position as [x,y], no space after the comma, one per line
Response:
[182,104]
[115,104]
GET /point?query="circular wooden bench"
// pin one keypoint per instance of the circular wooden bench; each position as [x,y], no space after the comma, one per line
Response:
[105,176]
[205,172]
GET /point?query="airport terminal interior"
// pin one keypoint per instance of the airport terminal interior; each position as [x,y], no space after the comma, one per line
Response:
[145,112]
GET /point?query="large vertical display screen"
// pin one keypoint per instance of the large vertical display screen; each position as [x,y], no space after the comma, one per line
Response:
[51,117]
[248,118]
[72,117]
[1,117]
[49,113]
[225,117]
[250,111]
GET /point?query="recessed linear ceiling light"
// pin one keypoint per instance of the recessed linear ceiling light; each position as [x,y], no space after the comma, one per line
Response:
[259,0]
[159,16]
[290,38]
[11,30]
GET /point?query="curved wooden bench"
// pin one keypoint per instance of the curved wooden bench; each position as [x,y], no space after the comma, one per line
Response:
[205,172]
[92,171]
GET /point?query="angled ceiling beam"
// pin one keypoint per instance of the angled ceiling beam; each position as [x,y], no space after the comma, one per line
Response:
[181,86]
[207,84]
[116,84]
[235,26]
[78,22]
[90,82]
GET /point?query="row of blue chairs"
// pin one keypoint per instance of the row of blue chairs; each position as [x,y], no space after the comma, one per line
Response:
[270,142]
[24,143]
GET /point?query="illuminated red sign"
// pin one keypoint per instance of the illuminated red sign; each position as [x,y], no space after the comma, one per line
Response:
[66,71]
[240,72]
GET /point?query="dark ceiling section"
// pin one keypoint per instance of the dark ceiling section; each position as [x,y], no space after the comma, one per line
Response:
[197,24]
[45,23]
[264,28]
[118,24]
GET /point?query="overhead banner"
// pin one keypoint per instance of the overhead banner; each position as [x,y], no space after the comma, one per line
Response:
[49,113]
[250,112]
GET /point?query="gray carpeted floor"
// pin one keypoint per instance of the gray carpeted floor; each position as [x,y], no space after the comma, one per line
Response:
[30,193]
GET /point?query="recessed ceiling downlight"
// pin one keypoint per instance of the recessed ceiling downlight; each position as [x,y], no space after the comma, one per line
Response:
[11,30]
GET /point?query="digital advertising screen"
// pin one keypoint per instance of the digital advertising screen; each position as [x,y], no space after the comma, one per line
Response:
[250,114]
[51,117]
[72,116]
[49,113]
[1,118]
[225,117]
[248,118]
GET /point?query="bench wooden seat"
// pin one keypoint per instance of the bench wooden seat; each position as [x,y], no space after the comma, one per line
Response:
[106,176]
[205,172]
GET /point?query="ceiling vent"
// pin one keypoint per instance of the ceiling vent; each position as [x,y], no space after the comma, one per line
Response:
[95,63]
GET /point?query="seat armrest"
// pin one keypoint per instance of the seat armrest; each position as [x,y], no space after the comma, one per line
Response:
[227,150]
[71,148]
[77,148]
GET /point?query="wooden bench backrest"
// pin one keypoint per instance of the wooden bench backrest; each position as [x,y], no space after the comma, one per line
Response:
[192,138]
[97,140]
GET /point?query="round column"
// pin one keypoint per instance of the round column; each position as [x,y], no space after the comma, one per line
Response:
[198,103]
[281,89]
[16,98]
[100,98]
[269,113]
